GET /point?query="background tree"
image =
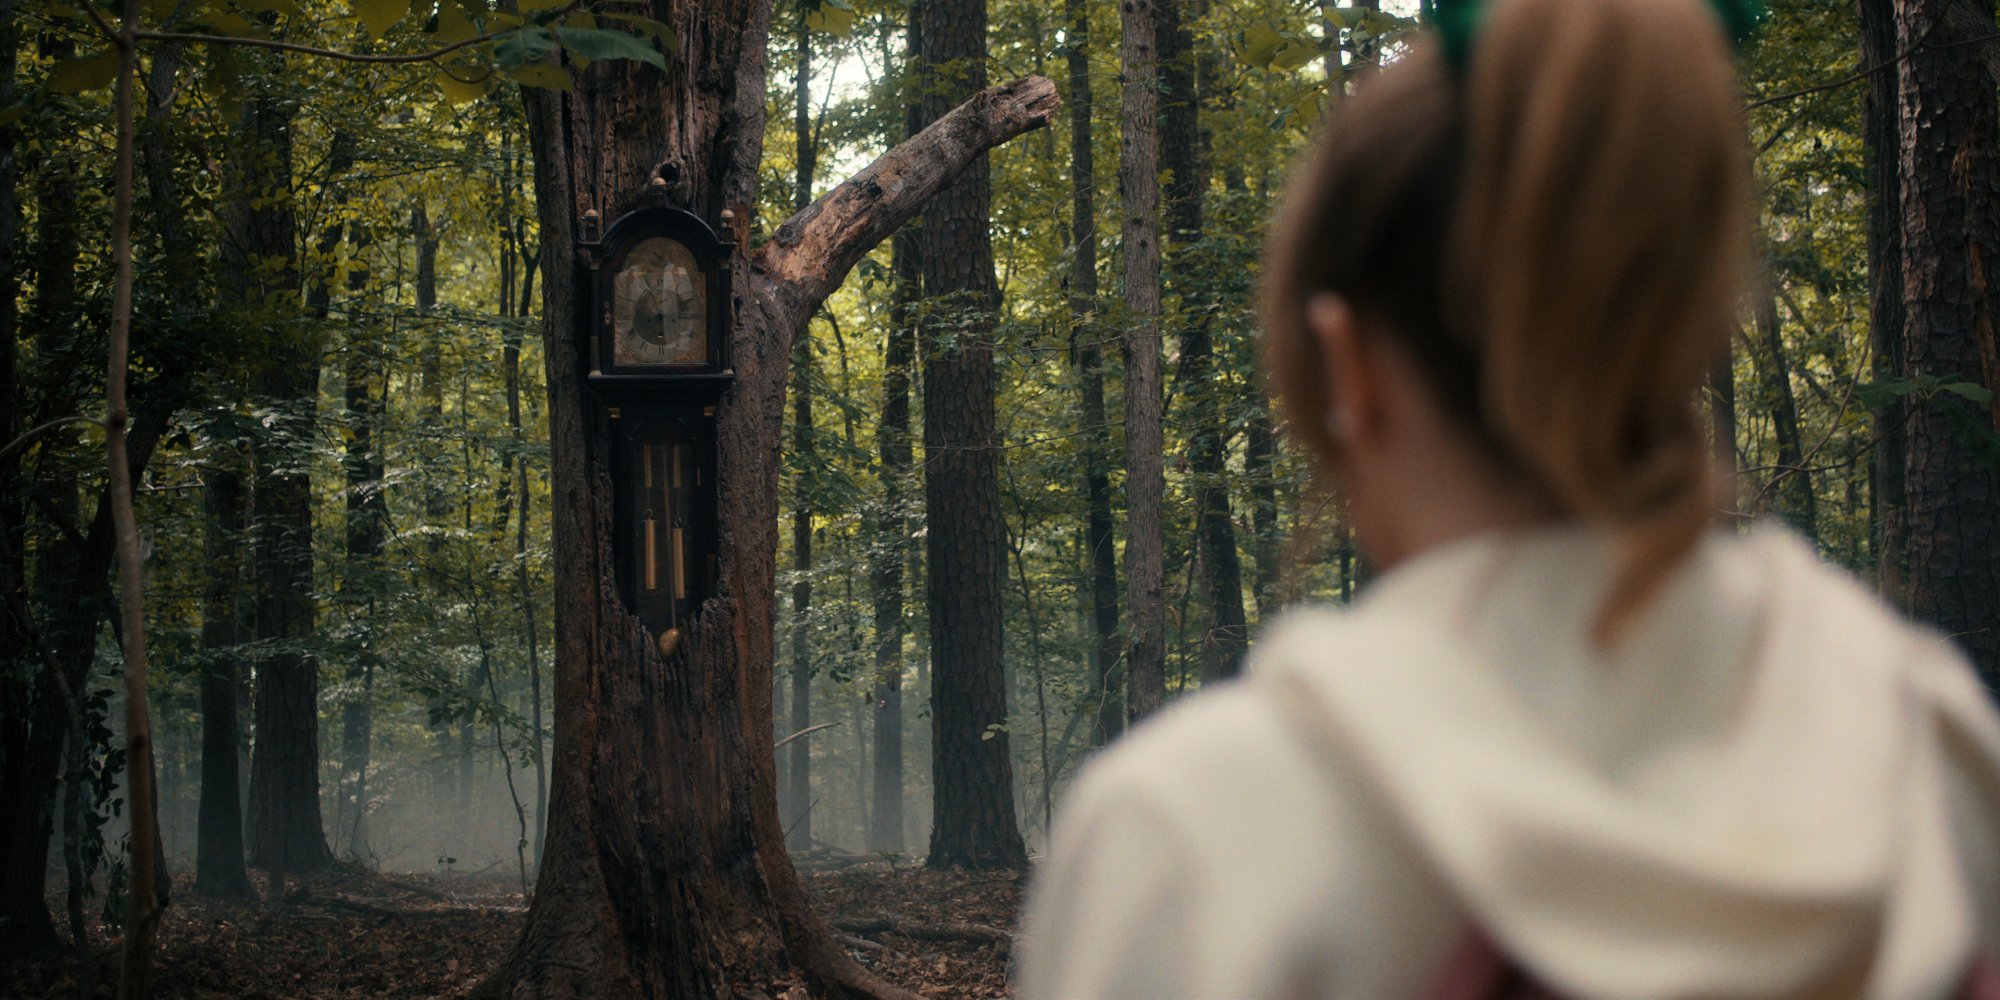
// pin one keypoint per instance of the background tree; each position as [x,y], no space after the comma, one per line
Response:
[974,822]
[1145,477]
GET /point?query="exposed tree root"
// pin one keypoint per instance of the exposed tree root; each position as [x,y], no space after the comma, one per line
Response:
[950,930]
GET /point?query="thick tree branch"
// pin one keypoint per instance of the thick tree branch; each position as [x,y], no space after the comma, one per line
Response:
[814,249]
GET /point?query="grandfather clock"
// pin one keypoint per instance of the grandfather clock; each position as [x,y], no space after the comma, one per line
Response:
[658,363]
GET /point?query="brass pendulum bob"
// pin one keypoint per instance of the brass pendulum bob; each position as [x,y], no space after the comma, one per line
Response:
[667,642]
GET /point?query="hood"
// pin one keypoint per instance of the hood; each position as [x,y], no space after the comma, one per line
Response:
[1745,797]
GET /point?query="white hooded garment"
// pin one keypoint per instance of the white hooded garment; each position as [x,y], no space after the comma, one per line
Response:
[1770,786]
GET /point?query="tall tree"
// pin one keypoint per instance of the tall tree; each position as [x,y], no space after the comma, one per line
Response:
[219,835]
[1184,147]
[262,259]
[1879,143]
[974,824]
[1792,482]
[892,436]
[1949,145]
[1145,472]
[361,579]
[1086,336]
[666,871]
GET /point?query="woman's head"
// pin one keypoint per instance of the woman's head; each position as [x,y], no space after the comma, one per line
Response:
[1550,242]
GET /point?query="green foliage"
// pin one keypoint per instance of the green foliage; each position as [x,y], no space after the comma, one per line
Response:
[433,633]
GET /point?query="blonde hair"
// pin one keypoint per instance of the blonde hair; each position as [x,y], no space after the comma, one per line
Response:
[1558,236]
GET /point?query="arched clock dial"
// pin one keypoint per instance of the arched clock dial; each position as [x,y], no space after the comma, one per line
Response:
[658,313]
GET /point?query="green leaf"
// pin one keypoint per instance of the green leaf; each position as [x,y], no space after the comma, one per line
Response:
[1972,391]
[600,43]
[1292,56]
[82,73]
[459,90]
[542,74]
[453,25]
[828,19]
[519,48]
[540,6]
[1259,43]
[659,33]
[378,16]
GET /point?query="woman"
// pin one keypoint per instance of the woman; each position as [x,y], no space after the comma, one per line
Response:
[1575,734]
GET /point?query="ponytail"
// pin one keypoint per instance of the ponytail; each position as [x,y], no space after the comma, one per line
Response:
[1558,234]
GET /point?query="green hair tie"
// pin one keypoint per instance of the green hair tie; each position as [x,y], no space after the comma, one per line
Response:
[1458,23]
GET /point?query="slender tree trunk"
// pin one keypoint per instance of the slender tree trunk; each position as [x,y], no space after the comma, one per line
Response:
[1184,144]
[1260,460]
[436,505]
[1086,336]
[1145,474]
[973,821]
[891,548]
[1879,138]
[367,516]
[666,874]
[1792,482]
[1949,144]
[1722,408]
[510,361]
[143,910]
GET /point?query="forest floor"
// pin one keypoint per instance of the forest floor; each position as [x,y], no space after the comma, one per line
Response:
[352,934]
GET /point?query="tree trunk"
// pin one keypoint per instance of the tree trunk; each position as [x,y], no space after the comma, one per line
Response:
[284,817]
[665,873]
[1107,688]
[219,836]
[1260,460]
[367,516]
[1949,143]
[1145,475]
[1791,481]
[891,547]
[973,822]
[1184,145]
[1879,139]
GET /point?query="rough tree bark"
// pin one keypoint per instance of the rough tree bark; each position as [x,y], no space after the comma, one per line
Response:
[1949,147]
[973,818]
[219,868]
[666,873]
[1086,338]
[1145,473]
[261,258]
[892,436]
[1184,149]
[1879,133]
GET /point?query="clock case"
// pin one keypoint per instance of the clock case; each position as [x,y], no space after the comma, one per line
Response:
[660,406]
[607,255]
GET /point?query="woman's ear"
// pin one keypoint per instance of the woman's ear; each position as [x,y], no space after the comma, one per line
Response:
[1353,395]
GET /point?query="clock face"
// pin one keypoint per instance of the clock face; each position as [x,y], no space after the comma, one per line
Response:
[658,314]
